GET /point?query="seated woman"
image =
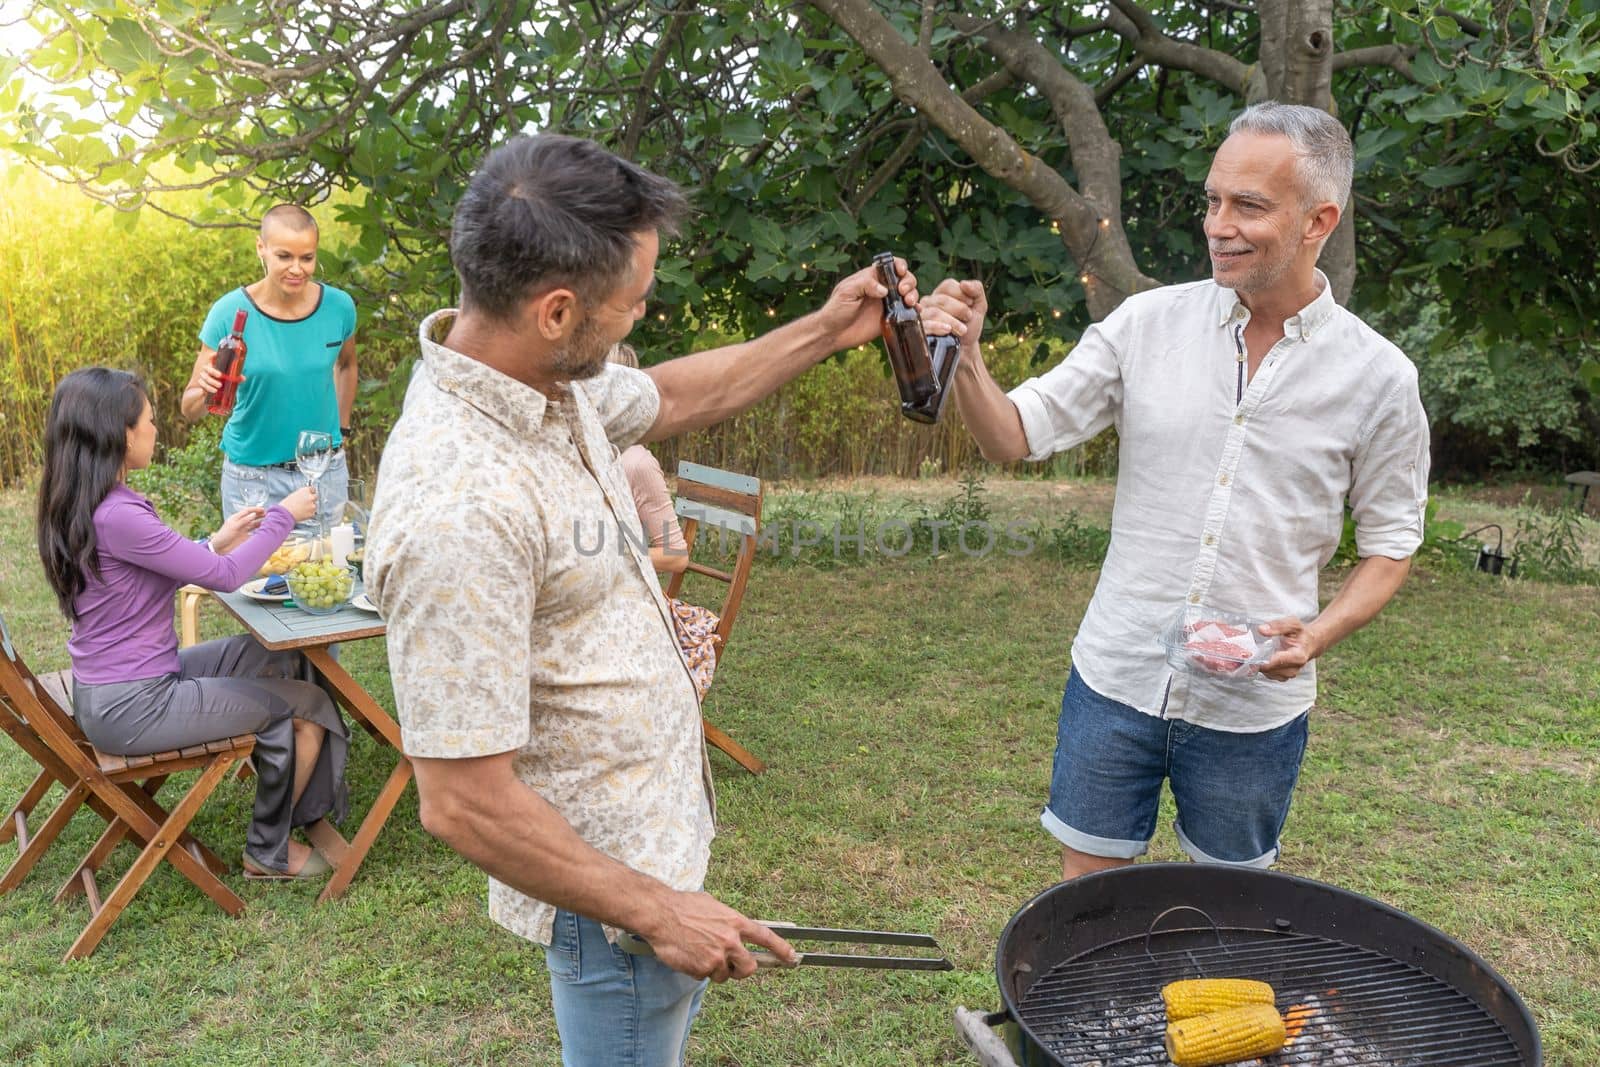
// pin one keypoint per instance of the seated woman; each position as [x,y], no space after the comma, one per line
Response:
[115,566]
[694,627]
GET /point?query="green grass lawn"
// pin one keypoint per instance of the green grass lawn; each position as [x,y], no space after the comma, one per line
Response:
[907,709]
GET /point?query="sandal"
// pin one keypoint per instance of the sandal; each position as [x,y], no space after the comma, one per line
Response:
[316,866]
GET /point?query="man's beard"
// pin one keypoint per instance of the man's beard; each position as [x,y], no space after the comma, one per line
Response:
[584,356]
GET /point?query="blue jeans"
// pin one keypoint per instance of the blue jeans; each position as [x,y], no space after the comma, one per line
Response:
[614,1009]
[333,489]
[1232,789]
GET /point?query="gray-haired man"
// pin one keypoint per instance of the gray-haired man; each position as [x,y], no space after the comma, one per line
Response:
[1248,408]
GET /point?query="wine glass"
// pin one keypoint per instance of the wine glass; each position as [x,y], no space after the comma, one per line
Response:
[312,454]
[252,482]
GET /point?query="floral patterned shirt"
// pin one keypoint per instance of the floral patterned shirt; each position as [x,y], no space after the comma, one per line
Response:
[521,618]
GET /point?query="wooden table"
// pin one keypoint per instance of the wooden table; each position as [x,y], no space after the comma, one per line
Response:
[281,626]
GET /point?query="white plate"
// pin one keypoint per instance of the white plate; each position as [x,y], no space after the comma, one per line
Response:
[364,602]
[253,591]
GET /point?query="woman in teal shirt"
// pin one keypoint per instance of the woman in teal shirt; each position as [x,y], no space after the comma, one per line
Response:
[299,369]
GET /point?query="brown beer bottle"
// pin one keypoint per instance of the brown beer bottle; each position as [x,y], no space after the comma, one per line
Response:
[922,368]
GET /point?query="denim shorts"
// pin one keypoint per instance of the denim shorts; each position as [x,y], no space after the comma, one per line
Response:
[1232,789]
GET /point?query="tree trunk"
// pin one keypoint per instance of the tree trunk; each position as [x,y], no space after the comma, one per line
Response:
[1297,59]
[1297,50]
[1338,260]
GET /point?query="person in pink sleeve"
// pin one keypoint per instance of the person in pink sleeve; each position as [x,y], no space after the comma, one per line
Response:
[115,566]
[695,627]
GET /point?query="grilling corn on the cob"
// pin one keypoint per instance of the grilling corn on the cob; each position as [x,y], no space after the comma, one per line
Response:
[1226,1036]
[1197,996]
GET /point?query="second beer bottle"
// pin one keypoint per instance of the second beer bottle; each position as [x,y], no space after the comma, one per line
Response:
[922,368]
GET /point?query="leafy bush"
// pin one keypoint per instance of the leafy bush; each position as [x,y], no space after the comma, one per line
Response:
[1500,408]
[1075,542]
[185,485]
[1549,545]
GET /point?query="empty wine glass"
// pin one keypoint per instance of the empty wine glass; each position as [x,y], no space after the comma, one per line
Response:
[252,482]
[312,454]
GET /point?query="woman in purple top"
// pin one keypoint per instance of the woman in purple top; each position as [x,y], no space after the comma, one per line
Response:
[114,566]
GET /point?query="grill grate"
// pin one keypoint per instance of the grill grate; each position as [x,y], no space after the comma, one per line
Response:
[1357,1007]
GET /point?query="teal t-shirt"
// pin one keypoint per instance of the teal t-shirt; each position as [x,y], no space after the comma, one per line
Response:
[288,374]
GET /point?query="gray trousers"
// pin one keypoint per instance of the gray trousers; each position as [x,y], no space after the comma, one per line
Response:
[222,689]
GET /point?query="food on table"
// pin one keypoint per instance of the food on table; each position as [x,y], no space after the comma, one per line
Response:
[1198,996]
[285,556]
[1228,1036]
[320,584]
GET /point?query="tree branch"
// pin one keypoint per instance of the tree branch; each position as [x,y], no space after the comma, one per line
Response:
[903,152]
[1122,77]
[647,81]
[889,168]
[1134,25]
[1095,156]
[1470,25]
[1084,223]
[1395,56]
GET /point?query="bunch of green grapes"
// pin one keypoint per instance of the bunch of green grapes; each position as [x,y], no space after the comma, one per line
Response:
[320,583]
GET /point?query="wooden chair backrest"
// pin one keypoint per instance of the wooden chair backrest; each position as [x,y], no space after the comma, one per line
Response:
[30,704]
[730,504]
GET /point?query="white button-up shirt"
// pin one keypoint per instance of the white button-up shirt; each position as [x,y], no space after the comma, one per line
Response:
[1230,493]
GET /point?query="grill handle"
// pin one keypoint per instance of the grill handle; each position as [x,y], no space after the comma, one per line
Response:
[976,1031]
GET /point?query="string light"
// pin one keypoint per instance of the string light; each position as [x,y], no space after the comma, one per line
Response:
[1055,313]
[1084,278]
[772,313]
[1105,224]
[661,316]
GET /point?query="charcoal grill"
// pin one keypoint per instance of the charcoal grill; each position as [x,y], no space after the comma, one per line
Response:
[1362,984]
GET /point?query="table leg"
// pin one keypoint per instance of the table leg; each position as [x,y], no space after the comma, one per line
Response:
[377,815]
[355,699]
[329,841]
[348,856]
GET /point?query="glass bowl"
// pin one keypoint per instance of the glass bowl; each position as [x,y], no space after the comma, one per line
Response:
[321,586]
[1217,644]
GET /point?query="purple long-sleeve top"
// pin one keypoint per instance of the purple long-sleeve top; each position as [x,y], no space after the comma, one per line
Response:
[124,629]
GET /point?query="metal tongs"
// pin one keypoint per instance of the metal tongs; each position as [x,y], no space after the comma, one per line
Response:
[638,946]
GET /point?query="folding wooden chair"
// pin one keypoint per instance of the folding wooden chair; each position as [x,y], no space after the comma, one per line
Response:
[121,789]
[32,843]
[731,504]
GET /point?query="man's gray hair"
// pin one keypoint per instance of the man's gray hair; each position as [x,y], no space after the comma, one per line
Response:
[1327,158]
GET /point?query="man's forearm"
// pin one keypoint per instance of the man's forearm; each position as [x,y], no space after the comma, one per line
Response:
[710,386]
[1370,586]
[514,835]
[988,413]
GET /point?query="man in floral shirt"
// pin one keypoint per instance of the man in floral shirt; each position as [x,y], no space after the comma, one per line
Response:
[549,714]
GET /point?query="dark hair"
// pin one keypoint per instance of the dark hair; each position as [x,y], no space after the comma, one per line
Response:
[85,447]
[553,210]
